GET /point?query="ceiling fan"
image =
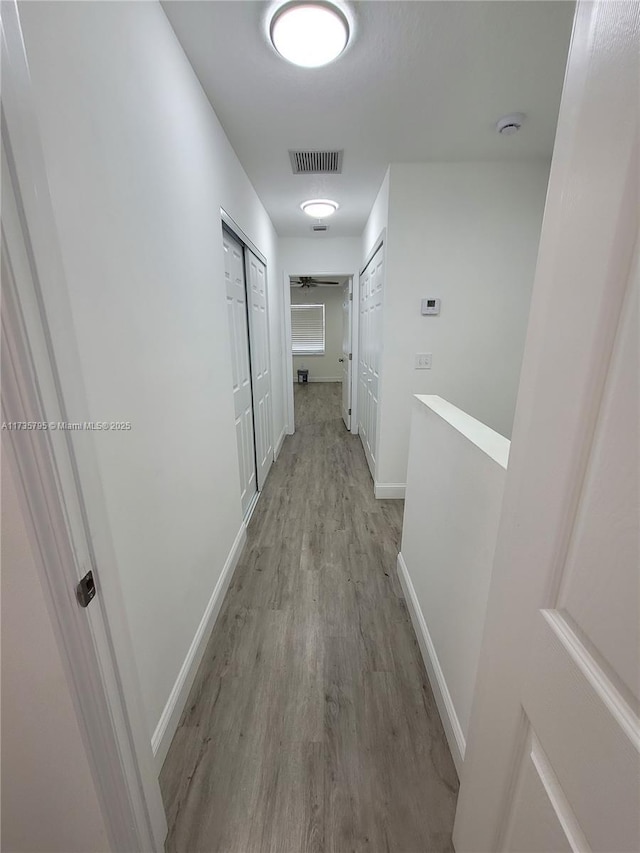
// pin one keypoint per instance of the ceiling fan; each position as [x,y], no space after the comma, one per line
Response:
[309,281]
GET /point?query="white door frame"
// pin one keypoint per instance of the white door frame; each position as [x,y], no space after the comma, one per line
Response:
[577,302]
[286,302]
[38,347]
[347,353]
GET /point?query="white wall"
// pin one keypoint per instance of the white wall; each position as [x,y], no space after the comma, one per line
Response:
[139,167]
[467,233]
[377,221]
[49,801]
[457,469]
[322,367]
[319,255]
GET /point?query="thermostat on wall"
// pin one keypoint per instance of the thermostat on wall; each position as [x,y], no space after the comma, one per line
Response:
[430,306]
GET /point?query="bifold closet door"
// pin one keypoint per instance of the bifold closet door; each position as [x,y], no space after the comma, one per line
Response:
[237,315]
[345,359]
[369,354]
[260,363]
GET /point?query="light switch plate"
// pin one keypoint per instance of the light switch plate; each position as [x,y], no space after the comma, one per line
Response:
[423,361]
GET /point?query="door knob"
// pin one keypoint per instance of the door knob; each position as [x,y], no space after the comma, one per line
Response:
[341,359]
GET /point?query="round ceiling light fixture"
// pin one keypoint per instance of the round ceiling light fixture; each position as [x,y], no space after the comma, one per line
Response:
[508,125]
[309,34]
[319,208]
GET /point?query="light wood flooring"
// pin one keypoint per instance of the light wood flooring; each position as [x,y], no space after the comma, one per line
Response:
[311,725]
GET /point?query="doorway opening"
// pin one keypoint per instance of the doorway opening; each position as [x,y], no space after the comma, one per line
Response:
[321,347]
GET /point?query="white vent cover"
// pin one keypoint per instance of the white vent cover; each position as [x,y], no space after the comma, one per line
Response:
[316,162]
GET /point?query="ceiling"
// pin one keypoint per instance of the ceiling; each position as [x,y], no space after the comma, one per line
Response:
[420,81]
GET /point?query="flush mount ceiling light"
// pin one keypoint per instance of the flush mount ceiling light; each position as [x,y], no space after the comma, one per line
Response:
[309,34]
[319,208]
[508,125]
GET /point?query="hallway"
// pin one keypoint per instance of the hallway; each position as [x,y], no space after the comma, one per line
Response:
[311,725]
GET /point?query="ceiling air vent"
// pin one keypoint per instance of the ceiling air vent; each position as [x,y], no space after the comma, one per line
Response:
[319,227]
[316,162]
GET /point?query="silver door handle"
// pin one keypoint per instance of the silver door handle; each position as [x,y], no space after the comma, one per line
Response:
[341,359]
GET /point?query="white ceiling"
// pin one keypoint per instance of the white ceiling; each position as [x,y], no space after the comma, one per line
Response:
[420,81]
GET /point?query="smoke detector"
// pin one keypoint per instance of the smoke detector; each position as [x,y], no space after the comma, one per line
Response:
[508,125]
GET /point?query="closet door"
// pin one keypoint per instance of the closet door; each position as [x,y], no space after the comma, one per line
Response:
[241,368]
[260,363]
[369,355]
[347,296]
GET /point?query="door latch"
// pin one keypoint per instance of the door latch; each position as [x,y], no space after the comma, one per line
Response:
[86,590]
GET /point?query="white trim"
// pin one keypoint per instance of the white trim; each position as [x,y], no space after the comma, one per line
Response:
[450,721]
[377,245]
[490,442]
[289,372]
[237,232]
[286,351]
[170,717]
[279,443]
[251,508]
[390,491]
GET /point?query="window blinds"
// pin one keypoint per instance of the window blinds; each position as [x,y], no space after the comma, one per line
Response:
[307,329]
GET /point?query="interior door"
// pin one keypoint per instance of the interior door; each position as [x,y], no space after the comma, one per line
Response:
[369,354]
[260,364]
[234,273]
[347,297]
[553,757]
[49,466]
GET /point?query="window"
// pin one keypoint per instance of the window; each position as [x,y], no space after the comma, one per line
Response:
[307,329]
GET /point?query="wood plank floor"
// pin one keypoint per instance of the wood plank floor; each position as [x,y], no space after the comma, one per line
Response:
[311,726]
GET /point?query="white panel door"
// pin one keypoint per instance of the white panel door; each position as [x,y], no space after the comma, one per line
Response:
[580,697]
[234,272]
[553,757]
[260,363]
[347,297]
[369,355]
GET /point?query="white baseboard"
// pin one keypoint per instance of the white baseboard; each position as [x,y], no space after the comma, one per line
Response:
[279,443]
[390,490]
[450,721]
[170,717]
[321,379]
